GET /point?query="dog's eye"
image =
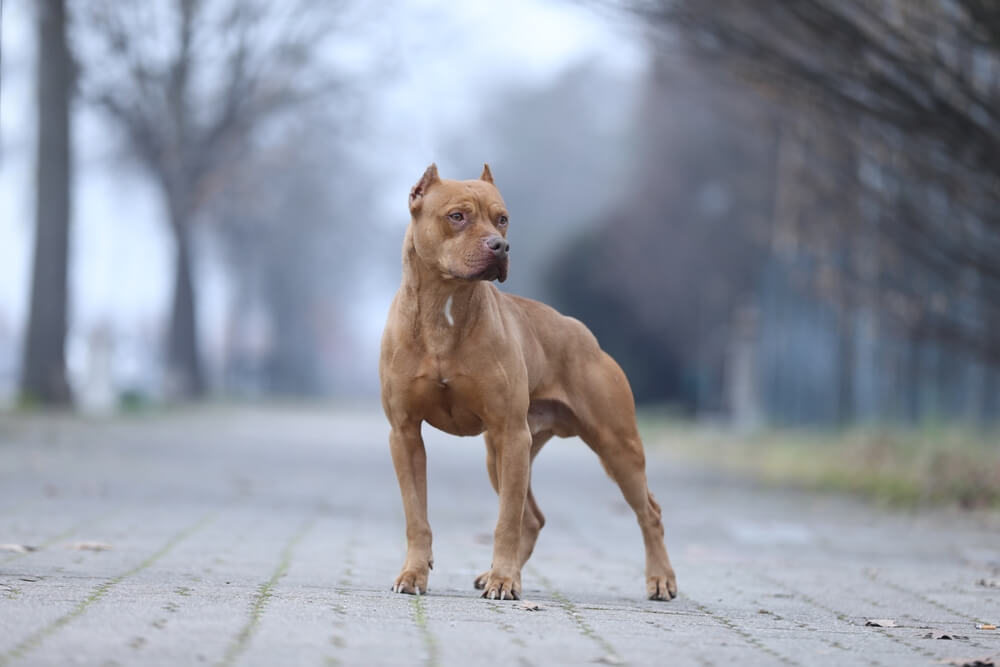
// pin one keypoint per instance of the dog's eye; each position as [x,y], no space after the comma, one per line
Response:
[457,216]
[502,221]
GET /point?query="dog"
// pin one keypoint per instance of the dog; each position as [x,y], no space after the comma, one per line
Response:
[466,358]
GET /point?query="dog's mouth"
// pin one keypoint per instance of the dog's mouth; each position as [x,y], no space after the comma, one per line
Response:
[495,269]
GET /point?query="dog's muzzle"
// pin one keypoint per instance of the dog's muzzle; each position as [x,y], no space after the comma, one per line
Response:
[500,248]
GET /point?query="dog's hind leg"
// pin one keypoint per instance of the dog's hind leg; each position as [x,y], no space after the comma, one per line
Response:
[624,462]
[608,426]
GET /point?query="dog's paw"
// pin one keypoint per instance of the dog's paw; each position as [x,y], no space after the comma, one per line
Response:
[410,581]
[497,586]
[480,582]
[662,586]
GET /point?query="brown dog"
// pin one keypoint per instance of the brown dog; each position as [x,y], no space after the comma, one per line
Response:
[467,358]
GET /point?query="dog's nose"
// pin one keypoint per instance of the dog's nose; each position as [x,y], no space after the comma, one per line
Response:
[498,246]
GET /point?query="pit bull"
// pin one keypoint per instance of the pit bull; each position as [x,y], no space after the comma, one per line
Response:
[466,358]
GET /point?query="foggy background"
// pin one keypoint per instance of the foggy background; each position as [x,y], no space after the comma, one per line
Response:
[784,215]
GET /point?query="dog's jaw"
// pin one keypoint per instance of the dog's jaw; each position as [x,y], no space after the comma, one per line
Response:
[492,270]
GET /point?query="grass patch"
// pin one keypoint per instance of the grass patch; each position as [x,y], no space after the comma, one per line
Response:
[896,466]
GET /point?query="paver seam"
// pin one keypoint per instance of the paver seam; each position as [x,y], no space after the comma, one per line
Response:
[754,642]
[875,577]
[841,616]
[139,642]
[160,622]
[967,642]
[574,615]
[37,638]
[515,637]
[265,591]
[419,611]
[338,608]
[802,625]
[348,571]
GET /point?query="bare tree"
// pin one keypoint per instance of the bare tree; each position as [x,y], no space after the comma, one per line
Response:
[292,265]
[191,83]
[44,375]
[913,88]
[681,250]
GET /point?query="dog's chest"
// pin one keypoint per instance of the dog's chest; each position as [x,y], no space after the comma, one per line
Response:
[446,399]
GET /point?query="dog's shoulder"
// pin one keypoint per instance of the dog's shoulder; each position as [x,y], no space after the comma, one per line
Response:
[551,325]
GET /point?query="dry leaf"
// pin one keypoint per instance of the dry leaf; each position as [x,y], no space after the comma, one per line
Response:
[17,548]
[937,634]
[531,606]
[989,583]
[90,546]
[987,661]
[986,626]
[880,623]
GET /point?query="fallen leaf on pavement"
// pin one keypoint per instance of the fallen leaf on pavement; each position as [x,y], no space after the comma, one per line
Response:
[986,626]
[531,606]
[989,583]
[988,661]
[17,548]
[90,546]
[937,634]
[880,623]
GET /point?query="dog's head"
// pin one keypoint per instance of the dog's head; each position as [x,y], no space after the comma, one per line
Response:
[459,228]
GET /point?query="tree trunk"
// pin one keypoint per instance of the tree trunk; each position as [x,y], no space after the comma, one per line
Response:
[845,365]
[988,399]
[914,380]
[44,371]
[185,378]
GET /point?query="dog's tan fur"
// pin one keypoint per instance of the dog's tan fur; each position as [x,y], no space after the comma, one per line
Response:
[468,359]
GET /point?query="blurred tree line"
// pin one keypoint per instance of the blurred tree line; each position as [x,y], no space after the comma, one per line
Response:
[201,92]
[839,149]
[192,84]
[794,217]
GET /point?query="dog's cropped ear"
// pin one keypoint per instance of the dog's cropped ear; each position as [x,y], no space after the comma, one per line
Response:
[487,174]
[418,191]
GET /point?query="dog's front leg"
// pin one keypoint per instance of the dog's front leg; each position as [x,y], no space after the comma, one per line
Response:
[410,461]
[511,446]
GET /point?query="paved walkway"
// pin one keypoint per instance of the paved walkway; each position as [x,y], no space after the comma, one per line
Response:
[271,537]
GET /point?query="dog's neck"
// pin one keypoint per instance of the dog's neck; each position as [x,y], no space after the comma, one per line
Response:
[436,304]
